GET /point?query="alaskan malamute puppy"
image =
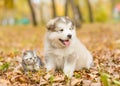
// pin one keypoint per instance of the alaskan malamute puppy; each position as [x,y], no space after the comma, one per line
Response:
[63,50]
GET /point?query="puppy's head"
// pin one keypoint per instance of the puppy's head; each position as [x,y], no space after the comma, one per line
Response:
[61,31]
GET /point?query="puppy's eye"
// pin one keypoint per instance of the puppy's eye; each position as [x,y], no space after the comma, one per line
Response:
[70,28]
[61,30]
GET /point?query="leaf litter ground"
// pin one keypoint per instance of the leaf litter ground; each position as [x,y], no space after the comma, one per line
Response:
[103,40]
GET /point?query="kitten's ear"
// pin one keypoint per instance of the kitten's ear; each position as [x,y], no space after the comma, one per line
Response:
[34,52]
[24,53]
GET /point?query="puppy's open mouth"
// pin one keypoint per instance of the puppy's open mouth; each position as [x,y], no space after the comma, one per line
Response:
[65,42]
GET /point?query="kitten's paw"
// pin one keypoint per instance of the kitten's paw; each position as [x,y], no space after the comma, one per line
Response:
[37,68]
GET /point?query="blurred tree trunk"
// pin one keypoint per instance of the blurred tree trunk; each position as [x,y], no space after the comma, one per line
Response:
[54,9]
[80,14]
[90,11]
[66,7]
[9,4]
[78,9]
[113,4]
[33,13]
[41,12]
[76,13]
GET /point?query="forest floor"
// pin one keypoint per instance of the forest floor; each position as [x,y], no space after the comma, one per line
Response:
[103,40]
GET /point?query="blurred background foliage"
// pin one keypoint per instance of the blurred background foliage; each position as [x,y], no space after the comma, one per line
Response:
[22,12]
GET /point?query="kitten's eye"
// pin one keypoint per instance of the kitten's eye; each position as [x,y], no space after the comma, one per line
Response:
[61,30]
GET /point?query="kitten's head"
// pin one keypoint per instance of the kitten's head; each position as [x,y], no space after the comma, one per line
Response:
[29,57]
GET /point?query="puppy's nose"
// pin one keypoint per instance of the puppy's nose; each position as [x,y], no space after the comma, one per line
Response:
[69,36]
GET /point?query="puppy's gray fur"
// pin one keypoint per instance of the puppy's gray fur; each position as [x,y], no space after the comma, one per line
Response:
[63,51]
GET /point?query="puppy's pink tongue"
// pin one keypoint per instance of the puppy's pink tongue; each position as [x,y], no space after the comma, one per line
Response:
[66,42]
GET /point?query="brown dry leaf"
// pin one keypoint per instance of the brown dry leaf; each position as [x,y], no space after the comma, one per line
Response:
[75,81]
[96,84]
[23,79]
[4,82]
[86,82]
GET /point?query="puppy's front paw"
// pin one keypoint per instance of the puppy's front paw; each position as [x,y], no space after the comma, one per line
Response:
[50,69]
[68,72]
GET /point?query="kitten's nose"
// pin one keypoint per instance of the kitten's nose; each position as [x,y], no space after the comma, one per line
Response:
[69,36]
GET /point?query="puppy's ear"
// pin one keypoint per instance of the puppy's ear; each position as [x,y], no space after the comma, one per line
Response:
[51,25]
[72,22]
[67,17]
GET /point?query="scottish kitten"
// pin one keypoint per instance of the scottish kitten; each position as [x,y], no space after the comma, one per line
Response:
[30,61]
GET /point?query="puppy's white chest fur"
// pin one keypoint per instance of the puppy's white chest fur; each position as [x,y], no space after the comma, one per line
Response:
[58,56]
[62,52]
[62,55]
